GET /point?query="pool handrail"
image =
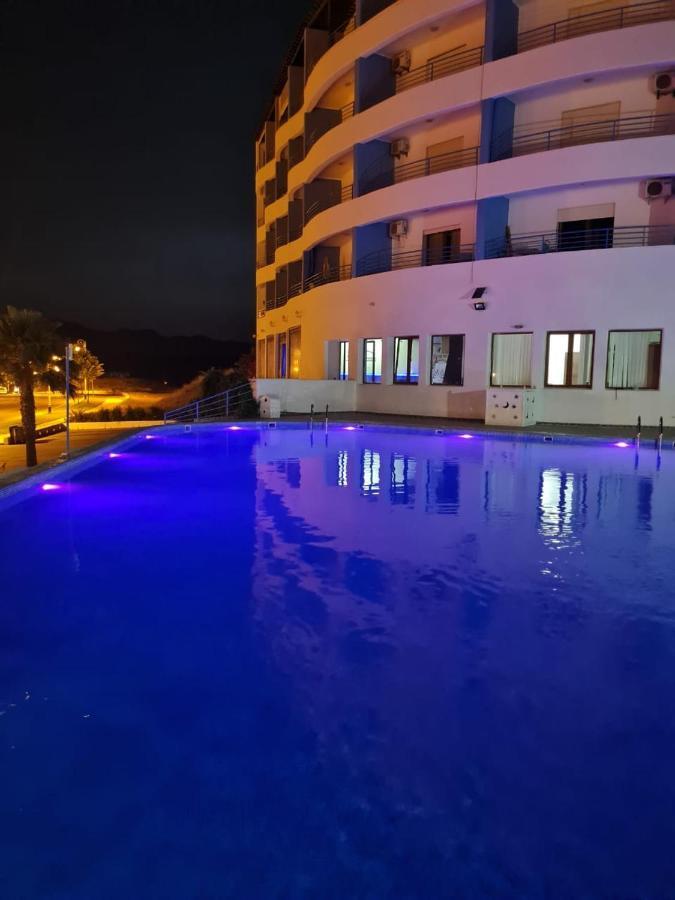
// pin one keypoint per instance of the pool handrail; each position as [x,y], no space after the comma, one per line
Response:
[213,407]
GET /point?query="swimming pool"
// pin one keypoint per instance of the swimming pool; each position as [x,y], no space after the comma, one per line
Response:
[367,664]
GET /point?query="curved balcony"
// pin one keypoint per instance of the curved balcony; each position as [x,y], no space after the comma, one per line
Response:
[381,174]
[592,22]
[507,144]
[375,263]
[589,239]
[440,66]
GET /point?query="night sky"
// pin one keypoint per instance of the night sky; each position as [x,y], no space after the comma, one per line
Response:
[126,144]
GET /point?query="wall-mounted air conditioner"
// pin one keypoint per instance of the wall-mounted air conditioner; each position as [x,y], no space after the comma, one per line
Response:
[662,83]
[656,188]
[400,64]
[400,147]
[398,229]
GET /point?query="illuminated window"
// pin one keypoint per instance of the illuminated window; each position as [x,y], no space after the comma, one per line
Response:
[294,353]
[511,360]
[343,360]
[447,359]
[406,360]
[281,356]
[634,360]
[372,361]
[569,359]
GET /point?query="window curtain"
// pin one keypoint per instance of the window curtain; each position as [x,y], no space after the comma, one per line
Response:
[511,360]
[628,358]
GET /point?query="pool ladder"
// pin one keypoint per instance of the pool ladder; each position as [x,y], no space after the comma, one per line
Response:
[659,437]
[311,419]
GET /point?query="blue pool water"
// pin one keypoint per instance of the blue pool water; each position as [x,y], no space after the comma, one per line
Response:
[372,665]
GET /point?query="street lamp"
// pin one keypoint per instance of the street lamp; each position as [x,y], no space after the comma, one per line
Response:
[71,349]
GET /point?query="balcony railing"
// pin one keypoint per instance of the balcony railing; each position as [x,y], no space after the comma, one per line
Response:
[588,23]
[381,174]
[382,261]
[587,239]
[319,206]
[328,275]
[507,144]
[343,30]
[440,66]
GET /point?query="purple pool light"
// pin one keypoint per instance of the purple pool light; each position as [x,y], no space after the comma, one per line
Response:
[350,428]
[467,437]
[622,444]
[50,486]
[114,455]
[235,427]
[150,437]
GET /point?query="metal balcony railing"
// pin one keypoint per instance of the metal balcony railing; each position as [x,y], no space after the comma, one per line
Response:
[440,66]
[328,275]
[343,30]
[509,144]
[380,173]
[382,261]
[588,23]
[319,206]
[586,239]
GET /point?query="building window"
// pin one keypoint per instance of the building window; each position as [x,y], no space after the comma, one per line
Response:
[281,356]
[406,360]
[343,360]
[441,247]
[372,361]
[447,359]
[269,354]
[294,353]
[260,359]
[511,360]
[634,360]
[586,234]
[569,359]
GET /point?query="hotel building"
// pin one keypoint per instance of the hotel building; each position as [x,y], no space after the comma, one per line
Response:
[460,202]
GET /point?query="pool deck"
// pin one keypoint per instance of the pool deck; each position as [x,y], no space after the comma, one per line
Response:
[475,426]
[50,449]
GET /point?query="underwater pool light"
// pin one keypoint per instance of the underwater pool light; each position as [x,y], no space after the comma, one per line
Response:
[622,444]
[50,486]
[235,427]
[467,437]
[114,455]
[350,428]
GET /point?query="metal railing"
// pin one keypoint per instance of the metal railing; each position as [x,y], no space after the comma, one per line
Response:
[508,144]
[343,30]
[585,239]
[319,206]
[327,276]
[380,174]
[382,261]
[588,23]
[439,66]
[217,406]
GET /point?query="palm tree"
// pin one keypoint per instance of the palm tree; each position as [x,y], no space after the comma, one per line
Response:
[27,343]
[89,368]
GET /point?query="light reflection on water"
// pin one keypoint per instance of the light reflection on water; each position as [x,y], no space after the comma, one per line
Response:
[361,664]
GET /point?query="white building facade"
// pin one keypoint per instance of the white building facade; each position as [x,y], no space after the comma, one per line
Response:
[458,197]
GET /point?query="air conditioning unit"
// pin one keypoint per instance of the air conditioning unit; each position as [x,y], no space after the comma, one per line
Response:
[662,83]
[398,229]
[656,188]
[400,147]
[400,64]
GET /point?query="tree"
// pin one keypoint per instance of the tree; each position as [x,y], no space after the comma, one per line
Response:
[27,343]
[89,368]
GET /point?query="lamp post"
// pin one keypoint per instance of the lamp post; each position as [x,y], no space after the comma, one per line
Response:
[68,358]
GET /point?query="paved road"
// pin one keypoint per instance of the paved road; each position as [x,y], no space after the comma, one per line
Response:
[10,415]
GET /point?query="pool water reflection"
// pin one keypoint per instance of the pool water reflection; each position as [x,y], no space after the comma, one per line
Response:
[251,663]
